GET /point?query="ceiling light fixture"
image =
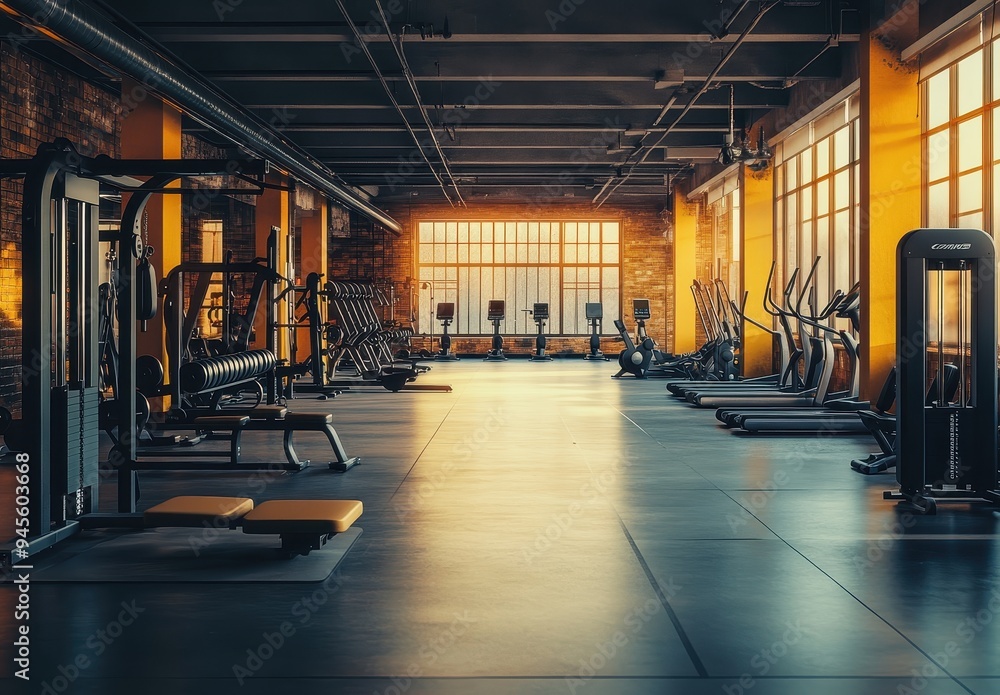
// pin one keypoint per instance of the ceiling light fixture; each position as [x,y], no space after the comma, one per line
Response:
[732,149]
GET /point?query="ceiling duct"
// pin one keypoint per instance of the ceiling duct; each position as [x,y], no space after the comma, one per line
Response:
[92,32]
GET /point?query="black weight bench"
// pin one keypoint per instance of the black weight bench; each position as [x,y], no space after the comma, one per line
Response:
[307,422]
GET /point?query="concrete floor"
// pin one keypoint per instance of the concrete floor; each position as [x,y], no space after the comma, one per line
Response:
[546,529]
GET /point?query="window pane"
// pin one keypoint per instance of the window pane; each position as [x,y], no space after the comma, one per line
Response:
[842,246]
[996,199]
[792,173]
[970,83]
[806,167]
[439,232]
[937,157]
[938,214]
[970,192]
[570,233]
[970,143]
[973,220]
[842,147]
[842,190]
[805,209]
[823,197]
[570,253]
[823,157]
[610,231]
[610,253]
[426,232]
[937,96]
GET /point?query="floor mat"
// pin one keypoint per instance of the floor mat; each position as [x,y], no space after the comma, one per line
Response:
[175,556]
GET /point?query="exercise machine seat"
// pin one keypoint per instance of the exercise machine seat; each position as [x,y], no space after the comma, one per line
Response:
[192,510]
[309,419]
[302,516]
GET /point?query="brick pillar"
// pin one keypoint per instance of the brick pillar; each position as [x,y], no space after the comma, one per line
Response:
[685,270]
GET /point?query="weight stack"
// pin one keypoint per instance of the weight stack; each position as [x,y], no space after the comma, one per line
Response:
[69,448]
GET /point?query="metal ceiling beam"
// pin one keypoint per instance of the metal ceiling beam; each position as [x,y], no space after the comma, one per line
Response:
[340,76]
[494,128]
[183,34]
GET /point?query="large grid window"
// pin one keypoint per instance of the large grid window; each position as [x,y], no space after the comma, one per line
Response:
[817,199]
[962,114]
[565,264]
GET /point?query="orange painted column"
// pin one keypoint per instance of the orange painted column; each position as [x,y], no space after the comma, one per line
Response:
[685,269]
[273,211]
[152,130]
[890,172]
[757,248]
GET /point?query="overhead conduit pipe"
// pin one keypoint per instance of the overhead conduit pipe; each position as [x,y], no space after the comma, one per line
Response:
[91,32]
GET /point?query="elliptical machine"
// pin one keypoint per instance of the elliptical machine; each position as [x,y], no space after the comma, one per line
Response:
[445,314]
[595,314]
[540,313]
[496,312]
[635,358]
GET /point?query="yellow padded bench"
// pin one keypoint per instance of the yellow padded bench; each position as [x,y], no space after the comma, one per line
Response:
[191,510]
[302,516]
[303,525]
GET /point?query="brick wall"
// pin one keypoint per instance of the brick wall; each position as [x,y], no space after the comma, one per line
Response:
[38,103]
[647,264]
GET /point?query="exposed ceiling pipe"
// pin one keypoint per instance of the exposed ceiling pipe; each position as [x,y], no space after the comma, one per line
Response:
[361,41]
[690,104]
[404,63]
[93,33]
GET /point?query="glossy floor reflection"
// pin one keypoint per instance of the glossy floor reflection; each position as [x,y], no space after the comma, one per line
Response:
[546,529]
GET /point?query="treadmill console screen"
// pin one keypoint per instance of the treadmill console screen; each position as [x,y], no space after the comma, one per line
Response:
[595,310]
[495,310]
[640,309]
[541,311]
[446,311]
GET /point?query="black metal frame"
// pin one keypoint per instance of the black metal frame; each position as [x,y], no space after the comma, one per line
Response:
[61,186]
[946,450]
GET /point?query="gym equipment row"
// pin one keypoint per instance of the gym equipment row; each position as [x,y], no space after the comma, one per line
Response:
[790,401]
[360,344]
[62,346]
[496,313]
[716,360]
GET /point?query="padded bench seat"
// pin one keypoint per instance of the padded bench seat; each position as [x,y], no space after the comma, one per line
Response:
[303,525]
[302,516]
[191,510]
